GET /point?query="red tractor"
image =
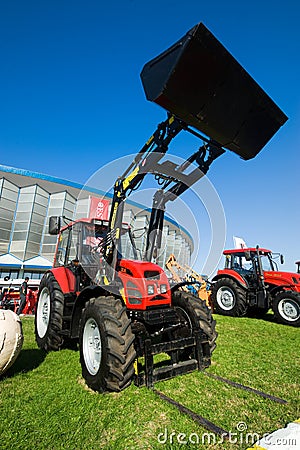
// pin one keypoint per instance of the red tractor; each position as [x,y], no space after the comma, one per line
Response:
[121,308]
[250,283]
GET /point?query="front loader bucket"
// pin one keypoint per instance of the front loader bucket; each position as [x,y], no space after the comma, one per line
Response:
[201,83]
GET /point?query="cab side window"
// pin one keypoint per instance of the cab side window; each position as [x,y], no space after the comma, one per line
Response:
[61,254]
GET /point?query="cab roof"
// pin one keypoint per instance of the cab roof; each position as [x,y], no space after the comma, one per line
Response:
[243,250]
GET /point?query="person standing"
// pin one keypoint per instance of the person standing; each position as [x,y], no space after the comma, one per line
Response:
[23,294]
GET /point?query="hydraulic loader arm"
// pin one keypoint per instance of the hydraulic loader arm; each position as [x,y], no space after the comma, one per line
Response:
[166,172]
[202,160]
[147,158]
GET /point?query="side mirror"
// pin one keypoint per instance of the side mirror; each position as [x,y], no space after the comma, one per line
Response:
[6,278]
[281,259]
[54,225]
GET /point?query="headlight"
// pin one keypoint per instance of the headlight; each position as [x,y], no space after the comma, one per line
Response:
[150,289]
[163,288]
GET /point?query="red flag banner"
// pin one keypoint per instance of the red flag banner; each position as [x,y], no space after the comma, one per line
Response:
[98,208]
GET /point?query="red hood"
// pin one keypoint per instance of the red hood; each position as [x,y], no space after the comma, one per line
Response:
[283,278]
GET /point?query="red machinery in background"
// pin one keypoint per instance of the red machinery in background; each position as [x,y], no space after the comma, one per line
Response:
[251,283]
[10,297]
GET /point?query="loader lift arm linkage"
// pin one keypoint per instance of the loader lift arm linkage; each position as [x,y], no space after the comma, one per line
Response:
[166,173]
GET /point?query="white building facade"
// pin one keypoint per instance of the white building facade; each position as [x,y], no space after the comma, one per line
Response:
[28,199]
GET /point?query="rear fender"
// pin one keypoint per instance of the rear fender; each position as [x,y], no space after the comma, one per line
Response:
[65,278]
[277,289]
[232,275]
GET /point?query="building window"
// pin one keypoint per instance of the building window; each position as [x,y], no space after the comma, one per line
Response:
[11,273]
[33,275]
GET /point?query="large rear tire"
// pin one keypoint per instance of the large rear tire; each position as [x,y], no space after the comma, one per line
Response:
[49,314]
[198,317]
[106,346]
[229,299]
[286,307]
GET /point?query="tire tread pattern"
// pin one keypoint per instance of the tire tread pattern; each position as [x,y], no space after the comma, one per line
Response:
[241,306]
[295,296]
[52,339]
[201,318]
[118,369]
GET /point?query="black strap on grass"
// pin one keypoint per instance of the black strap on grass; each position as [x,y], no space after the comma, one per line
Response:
[246,388]
[196,417]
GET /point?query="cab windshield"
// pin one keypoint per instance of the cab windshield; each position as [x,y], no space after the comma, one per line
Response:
[268,264]
[95,236]
[239,263]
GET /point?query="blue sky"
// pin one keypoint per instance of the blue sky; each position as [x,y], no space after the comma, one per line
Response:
[71,98]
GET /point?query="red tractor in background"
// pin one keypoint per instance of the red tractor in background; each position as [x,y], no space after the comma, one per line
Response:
[121,307]
[250,283]
[10,296]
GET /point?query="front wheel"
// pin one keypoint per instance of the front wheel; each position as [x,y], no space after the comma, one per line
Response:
[106,345]
[286,307]
[229,298]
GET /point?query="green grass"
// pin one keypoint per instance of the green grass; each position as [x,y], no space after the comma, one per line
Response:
[45,404]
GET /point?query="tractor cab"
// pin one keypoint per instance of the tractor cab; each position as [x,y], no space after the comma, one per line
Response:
[80,245]
[251,283]
[247,261]
[80,265]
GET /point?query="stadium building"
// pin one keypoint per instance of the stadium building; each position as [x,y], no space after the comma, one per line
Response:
[28,199]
